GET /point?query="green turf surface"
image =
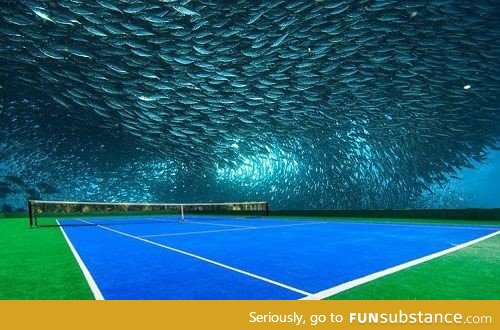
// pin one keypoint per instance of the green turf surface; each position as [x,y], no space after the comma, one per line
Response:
[38,264]
[472,273]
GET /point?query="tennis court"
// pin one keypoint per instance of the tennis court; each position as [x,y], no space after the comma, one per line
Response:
[255,257]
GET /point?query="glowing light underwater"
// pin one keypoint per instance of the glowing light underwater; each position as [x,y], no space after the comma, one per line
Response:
[258,168]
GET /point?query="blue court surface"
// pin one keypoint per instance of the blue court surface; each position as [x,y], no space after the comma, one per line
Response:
[245,258]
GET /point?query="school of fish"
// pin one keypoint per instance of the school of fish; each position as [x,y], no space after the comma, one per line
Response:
[307,104]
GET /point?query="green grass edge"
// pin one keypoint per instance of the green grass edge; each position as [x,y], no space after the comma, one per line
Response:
[37,264]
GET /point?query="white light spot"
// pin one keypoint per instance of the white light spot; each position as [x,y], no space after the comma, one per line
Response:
[467,87]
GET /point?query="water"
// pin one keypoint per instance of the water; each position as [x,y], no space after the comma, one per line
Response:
[307,104]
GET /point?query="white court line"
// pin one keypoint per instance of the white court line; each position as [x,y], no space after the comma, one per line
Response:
[412,225]
[197,232]
[215,224]
[237,270]
[90,280]
[234,229]
[362,280]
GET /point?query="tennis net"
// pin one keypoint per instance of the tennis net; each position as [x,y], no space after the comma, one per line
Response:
[54,213]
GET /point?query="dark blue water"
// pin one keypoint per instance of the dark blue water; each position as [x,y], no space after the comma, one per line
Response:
[307,104]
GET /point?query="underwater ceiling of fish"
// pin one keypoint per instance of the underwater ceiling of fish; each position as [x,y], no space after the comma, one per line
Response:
[307,104]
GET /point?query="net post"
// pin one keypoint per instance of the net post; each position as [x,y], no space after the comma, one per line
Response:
[182,212]
[30,213]
[266,209]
